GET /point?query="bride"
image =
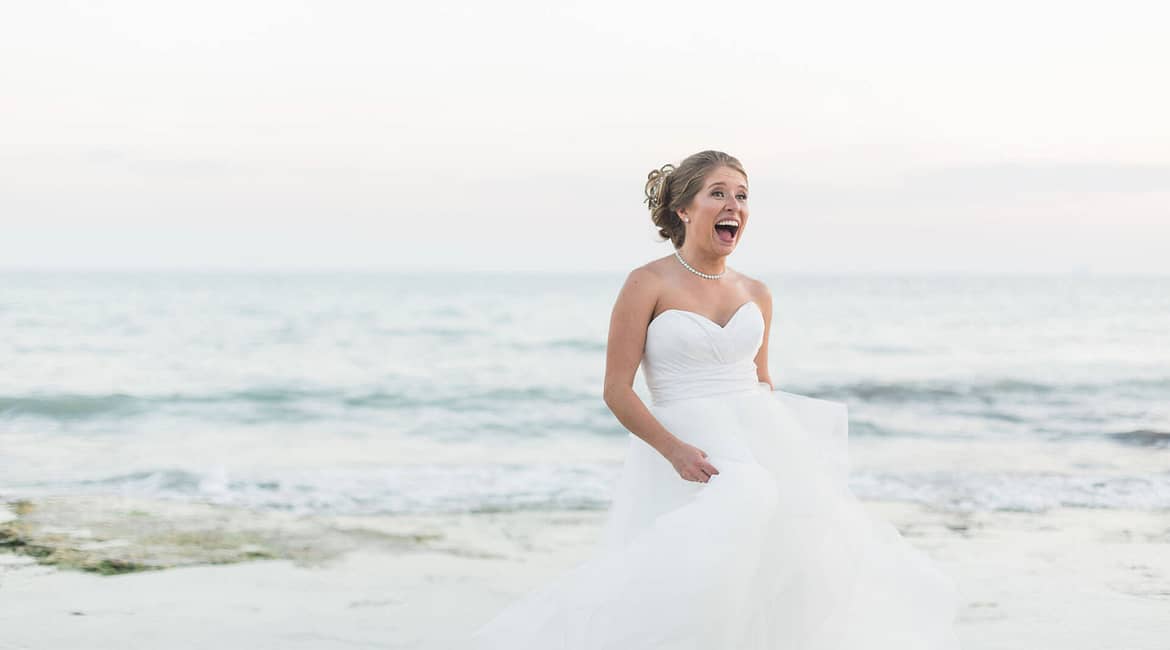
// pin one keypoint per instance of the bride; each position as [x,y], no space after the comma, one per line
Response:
[732,525]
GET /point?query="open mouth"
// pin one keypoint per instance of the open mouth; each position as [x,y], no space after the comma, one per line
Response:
[726,232]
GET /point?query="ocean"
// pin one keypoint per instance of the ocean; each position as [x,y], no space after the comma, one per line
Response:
[368,393]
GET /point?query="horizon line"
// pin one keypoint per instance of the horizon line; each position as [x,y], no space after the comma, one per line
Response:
[535,271]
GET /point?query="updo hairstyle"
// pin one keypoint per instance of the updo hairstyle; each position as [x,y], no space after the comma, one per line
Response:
[670,189]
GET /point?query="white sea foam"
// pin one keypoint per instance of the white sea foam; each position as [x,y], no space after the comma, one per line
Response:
[392,393]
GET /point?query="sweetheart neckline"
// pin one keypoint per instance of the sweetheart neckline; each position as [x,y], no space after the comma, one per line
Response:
[687,311]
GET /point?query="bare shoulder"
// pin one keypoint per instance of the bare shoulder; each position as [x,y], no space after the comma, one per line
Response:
[652,275]
[757,289]
[658,266]
[650,272]
[642,286]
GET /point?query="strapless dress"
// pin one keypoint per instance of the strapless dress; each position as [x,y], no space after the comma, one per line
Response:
[774,552]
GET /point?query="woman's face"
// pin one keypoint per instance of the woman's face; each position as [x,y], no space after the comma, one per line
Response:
[722,200]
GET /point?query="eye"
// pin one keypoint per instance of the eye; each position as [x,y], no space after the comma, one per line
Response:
[717,193]
[742,197]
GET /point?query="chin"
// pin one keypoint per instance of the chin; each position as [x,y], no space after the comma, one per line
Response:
[725,249]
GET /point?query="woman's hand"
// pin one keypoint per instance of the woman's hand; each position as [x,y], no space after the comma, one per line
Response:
[691,463]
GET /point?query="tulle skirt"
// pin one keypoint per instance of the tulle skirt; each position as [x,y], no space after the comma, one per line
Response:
[772,553]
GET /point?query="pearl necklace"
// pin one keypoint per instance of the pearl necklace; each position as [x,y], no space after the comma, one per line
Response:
[690,268]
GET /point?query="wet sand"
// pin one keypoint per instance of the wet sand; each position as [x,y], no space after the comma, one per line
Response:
[109,572]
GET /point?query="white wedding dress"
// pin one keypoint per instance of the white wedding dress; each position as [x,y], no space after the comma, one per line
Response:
[772,553]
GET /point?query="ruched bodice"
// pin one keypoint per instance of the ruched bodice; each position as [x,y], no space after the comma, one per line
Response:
[688,355]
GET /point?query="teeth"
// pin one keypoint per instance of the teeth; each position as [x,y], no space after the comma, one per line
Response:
[728,222]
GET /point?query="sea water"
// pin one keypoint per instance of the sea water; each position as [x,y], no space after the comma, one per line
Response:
[385,392]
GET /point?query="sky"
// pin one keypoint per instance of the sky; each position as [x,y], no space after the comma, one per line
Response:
[903,136]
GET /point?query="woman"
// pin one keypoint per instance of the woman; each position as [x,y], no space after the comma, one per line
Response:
[732,525]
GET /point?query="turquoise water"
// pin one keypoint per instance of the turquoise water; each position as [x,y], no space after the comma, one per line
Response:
[385,393]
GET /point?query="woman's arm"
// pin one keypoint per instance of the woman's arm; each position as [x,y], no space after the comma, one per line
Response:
[763,298]
[631,316]
[623,353]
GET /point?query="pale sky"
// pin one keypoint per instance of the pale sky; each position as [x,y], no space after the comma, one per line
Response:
[896,136]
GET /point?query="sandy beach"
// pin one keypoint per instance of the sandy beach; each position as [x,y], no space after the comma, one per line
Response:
[111,572]
[313,314]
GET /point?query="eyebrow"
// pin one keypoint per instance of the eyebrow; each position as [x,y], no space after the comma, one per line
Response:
[722,183]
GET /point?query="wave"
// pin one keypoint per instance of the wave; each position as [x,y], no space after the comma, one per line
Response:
[484,487]
[403,489]
[301,403]
[69,406]
[1143,438]
[591,346]
[986,392]
[927,391]
[73,406]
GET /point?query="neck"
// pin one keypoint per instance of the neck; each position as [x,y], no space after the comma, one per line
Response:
[705,262]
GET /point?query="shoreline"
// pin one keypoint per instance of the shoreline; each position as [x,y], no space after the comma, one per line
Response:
[1078,579]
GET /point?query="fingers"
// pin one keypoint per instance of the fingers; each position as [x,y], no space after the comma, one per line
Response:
[702,472]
